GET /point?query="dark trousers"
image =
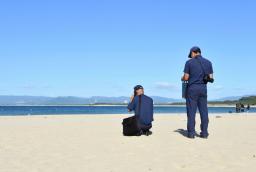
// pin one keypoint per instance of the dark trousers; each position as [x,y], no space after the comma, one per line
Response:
[197,98]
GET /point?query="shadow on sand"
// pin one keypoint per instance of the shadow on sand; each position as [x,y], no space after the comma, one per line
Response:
[184,132]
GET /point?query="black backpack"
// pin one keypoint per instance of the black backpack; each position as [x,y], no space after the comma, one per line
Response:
[131,125]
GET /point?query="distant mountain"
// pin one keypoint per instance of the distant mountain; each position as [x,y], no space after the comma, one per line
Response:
[23,100]
[69,100]
[244,100]
[231,98]
[248,100]
[112,100]
[164,100]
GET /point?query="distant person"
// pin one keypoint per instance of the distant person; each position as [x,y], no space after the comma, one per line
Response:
[238,108]
[198,72]
[242,107]
[142,105]
[248,108]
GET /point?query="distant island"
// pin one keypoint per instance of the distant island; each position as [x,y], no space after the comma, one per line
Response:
[71,100]
[251,100]
[101,100]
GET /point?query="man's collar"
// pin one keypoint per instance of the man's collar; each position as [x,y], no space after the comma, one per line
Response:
[198,56]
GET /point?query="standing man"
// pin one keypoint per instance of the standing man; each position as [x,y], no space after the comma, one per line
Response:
[198,71]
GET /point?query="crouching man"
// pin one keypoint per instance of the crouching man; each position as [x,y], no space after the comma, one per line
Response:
[142,105]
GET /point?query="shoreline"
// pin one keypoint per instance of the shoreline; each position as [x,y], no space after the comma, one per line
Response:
[117,105]
[125,115]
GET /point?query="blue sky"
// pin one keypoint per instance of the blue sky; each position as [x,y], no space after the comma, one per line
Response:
[105,47]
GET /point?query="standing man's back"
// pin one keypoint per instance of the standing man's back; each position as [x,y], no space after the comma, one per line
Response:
[197,68]
[198,72]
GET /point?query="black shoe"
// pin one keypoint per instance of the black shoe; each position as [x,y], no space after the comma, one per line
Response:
[191,136]
[147,133]
[204,136]
[140,133]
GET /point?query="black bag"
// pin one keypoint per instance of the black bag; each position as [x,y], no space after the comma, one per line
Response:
[184,89]
[131,125]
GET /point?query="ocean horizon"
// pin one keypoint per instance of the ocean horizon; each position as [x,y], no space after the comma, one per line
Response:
[93,110]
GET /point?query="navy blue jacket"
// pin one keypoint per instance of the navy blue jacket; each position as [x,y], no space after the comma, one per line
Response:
[196,70]
[146,111]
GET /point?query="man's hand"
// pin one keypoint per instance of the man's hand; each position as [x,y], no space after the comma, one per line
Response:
[185,77]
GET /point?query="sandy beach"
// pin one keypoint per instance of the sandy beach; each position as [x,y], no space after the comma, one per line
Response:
[95,143]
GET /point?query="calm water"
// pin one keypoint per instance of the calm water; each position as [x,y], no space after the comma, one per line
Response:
[46,110]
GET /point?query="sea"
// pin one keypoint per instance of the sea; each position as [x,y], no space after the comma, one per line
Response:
[102,110]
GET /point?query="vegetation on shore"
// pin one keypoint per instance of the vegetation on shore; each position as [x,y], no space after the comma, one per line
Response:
[251,100]
[106,101]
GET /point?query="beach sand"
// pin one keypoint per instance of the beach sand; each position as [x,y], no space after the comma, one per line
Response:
[95,143]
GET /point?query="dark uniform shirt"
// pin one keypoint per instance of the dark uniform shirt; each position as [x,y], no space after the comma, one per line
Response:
[196,70]
[146,111]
